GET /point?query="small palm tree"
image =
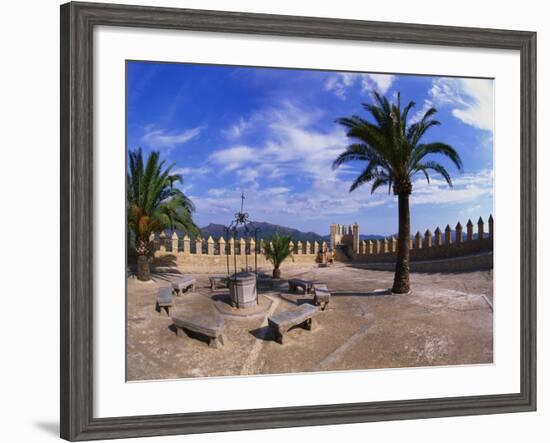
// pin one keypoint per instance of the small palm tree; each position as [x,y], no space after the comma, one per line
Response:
[394,153]
[277,250]
[154,204]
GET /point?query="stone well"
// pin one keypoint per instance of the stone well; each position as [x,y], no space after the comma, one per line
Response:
[242,290]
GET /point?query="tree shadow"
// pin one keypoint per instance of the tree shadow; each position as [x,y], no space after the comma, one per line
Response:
[164,261]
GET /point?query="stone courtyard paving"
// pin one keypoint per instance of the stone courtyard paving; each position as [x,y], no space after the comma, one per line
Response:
[446,320]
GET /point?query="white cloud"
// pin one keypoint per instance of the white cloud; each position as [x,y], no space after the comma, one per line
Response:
[340,82]
[471,100]
[296,151]
[195,172]
[248,176]
[157,138]
[331,199]
[466,188]
[377,82]
[291,146]
[234,157]
[417,116]
[237,130]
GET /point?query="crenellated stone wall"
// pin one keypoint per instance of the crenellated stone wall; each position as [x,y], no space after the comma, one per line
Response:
[213,255]
[428,246]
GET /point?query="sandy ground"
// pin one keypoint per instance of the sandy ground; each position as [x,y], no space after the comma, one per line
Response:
[446,320]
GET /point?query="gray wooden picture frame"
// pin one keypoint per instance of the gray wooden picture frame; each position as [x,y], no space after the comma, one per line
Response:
[77,218]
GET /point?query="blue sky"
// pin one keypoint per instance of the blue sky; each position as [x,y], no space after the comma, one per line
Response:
[272,134]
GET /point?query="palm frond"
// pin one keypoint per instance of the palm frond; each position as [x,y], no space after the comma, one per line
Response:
[390,146]
[153,202]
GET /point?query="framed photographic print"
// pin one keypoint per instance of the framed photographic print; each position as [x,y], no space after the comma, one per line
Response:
[273,221]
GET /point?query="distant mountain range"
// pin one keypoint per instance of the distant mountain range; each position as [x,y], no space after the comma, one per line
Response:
[265,230]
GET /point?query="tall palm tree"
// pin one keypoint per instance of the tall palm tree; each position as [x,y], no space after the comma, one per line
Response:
[154,204]
[394,153]
[277,250]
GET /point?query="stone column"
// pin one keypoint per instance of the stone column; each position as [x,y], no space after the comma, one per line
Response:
[393,244]
[308,248]
[356,239]
[363,247]
[175,241]
[491,222]
[385,248]
[469,230]
[252,246]
[231,246]
[370,247]
[299,248]
[210,245]
[221,242]
[458,233]
[324,246]
[377,247]
[428,239]
[291,246]
[242,246]
[316,247]
[186,244]
[418,240]
[448,235]
[333,234]
[162,246]
[198,246]
[437,235]
[480,229]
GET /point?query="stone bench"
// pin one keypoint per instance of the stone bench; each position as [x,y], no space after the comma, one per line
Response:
[165,301]
[295,283]
[282,322]
[218,280]
[321,295]
[207,325]
[184,284]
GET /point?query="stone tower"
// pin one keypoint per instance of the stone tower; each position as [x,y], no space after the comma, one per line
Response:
[335,235]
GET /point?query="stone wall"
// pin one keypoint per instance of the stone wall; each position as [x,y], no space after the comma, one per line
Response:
[428,246]
[212,255]
[450,252]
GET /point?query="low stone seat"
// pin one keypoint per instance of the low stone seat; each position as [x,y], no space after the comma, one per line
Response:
[218,281]
[282,322]
[295,283]
[321,295]
[165,301]
[209,325]
[184,284]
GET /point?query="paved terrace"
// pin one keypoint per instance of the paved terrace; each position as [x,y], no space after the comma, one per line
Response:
[447,320]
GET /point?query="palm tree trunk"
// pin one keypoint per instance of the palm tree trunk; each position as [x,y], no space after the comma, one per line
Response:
[401,284]
[143,270]
[276,272]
